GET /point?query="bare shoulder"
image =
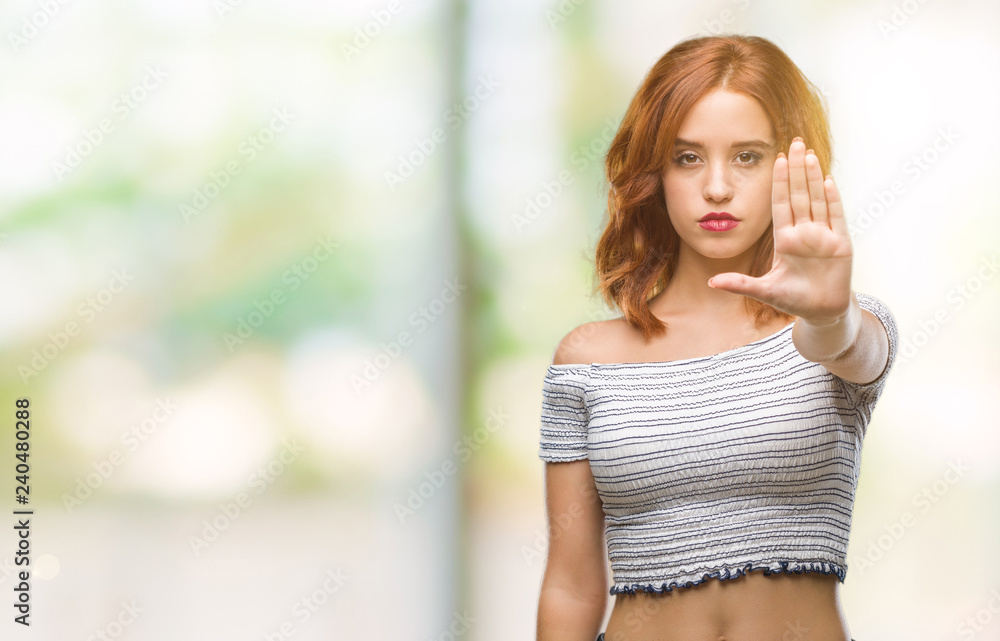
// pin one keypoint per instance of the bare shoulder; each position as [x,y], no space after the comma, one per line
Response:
[591,342]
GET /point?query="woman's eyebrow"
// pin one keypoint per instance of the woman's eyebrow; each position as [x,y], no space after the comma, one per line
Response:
[680,142]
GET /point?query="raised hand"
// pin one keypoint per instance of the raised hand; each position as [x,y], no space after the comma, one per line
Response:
[810,275]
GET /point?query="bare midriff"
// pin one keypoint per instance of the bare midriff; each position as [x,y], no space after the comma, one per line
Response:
[755,607]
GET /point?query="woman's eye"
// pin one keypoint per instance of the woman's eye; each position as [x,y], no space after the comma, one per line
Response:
[744,158]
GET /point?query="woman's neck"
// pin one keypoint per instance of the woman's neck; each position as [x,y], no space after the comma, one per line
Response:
[688,290]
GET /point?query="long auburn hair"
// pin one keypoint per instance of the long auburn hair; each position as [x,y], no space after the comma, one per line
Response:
[637,252]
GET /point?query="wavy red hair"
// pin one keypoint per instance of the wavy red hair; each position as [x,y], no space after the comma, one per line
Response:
[637,252]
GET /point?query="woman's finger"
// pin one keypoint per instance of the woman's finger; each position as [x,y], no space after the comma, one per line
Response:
[817,193]
[836,206]
[798,190]
[781,210]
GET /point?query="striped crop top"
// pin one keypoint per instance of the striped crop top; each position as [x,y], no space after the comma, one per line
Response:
[716,466]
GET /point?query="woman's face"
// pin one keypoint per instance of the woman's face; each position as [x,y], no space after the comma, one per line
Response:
[722,162]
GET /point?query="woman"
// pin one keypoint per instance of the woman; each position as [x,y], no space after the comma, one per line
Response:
[708,442]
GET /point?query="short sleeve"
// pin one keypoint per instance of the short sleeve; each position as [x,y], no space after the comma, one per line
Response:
[565,416]
[863,397]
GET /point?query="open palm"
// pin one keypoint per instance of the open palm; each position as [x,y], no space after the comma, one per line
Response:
[810,275]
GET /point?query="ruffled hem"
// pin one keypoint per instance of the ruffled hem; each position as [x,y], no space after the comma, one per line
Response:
[772,567]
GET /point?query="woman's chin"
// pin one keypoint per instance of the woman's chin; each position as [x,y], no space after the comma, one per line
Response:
[730,252]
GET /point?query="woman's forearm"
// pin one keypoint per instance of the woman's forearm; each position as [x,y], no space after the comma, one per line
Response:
[854,347]
[829,339]
[564,616]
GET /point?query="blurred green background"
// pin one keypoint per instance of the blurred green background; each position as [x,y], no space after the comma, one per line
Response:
[281,281]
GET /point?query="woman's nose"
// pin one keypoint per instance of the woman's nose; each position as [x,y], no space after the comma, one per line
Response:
[718,183]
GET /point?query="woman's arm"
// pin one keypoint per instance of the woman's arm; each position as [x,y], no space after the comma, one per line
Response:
[854,347]
[810,277]
[575,586]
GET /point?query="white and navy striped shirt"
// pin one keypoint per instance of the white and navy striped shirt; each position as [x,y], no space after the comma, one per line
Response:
[719,465]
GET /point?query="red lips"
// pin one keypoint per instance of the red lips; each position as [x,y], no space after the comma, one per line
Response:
[717,216]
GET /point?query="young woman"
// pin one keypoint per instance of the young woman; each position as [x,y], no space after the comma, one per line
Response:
[708,442]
